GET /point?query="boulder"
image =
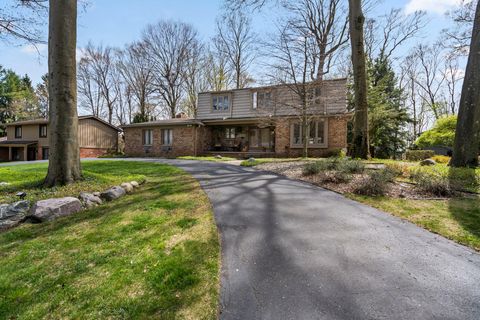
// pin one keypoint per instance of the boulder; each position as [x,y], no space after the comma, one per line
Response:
[135,184]
[51,209]
[113,193]
[428,162]
[218,156]
[89,199]
[251,159]
[13,214]
[4,184]
[127,186]
[96,194]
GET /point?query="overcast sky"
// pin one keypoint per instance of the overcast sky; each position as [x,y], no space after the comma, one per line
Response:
[117,22]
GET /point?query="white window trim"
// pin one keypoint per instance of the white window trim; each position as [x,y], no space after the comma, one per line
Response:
[144,141]
[316,145]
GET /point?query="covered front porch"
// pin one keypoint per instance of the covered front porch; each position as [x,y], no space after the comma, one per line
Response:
[240,139]
[18,150]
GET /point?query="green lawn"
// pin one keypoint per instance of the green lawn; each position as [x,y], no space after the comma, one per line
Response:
[150,255]
[206,158]
[457,219]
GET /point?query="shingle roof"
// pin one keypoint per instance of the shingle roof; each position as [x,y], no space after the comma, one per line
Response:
[167,122]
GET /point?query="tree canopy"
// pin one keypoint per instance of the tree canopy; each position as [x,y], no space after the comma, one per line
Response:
[442,133]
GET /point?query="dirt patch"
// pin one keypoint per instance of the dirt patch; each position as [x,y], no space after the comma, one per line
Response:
[293,170]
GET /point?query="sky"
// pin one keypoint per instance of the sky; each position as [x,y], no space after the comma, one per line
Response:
[118,22]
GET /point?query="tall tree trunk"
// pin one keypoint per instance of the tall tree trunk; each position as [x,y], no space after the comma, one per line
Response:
[64,162]
[360,145]
[467,133]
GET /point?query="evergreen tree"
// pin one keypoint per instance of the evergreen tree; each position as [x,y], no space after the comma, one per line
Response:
[388,116]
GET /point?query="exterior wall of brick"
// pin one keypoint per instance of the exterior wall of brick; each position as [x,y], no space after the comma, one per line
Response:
[336,140]
[184,141]
[191,140]
[91,152]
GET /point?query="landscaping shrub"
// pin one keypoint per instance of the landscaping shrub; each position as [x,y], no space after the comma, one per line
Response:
[312,168]
[441,159]
[376,183]
[432,181]
[397,169]
[350,166]
[442,133]
[418,155]
[335,176]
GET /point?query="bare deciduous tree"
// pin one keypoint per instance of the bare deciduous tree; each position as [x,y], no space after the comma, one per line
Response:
[430,78]
[457,38]
[467,134]
[137,71]
[236,40]
[360,144]
[102,65]
[90,95]
[168,45]
[64,163]
[23,20]
[292,67]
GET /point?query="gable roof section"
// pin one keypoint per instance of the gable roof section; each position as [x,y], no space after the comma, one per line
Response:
[45,121]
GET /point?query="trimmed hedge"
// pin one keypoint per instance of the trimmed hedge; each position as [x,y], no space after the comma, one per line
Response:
[419,155]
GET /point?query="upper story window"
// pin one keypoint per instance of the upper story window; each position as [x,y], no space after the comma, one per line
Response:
[18,132]
[262,99]
[221,102]
[316,134]
[42,131]
[167,137]
[147,137]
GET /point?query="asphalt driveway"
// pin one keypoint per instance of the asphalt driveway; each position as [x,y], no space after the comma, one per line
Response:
[295,251]
[291,250]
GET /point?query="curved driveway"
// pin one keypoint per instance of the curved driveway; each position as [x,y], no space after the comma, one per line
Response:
[291,250]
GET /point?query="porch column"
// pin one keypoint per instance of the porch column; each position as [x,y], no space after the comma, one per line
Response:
[9,153]
[25,153]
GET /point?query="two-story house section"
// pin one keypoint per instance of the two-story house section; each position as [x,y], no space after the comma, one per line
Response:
[29,139]
[262,121]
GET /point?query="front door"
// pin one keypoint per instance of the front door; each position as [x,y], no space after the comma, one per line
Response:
[261,139]
[31,153]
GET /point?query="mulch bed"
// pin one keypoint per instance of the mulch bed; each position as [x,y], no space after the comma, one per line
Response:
[396,189]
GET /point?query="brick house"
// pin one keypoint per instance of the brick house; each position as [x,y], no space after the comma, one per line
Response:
[28,140]
[261,121]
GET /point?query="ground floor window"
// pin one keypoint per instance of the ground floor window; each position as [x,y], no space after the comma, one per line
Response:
[229,133]
[147,137]
[316,133]
[167,137]
[45,153]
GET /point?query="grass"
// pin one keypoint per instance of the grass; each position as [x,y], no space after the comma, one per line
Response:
[457,219]
[206,158]
[150,255]
[258,161]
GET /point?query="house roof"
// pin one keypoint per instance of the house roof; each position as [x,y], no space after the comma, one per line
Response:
[167,122]
[45,121]
[266,87]
[17,142]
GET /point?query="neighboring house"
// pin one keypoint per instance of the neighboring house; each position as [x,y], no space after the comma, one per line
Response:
[29,139]
[252,121]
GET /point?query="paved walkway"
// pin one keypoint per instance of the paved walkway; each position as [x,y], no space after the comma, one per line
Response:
[291,250]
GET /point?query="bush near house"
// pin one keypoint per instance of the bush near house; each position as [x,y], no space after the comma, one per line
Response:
[418,155]
[442,133]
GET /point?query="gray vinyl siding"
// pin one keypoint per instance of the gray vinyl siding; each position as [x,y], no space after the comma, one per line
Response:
[333,101]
